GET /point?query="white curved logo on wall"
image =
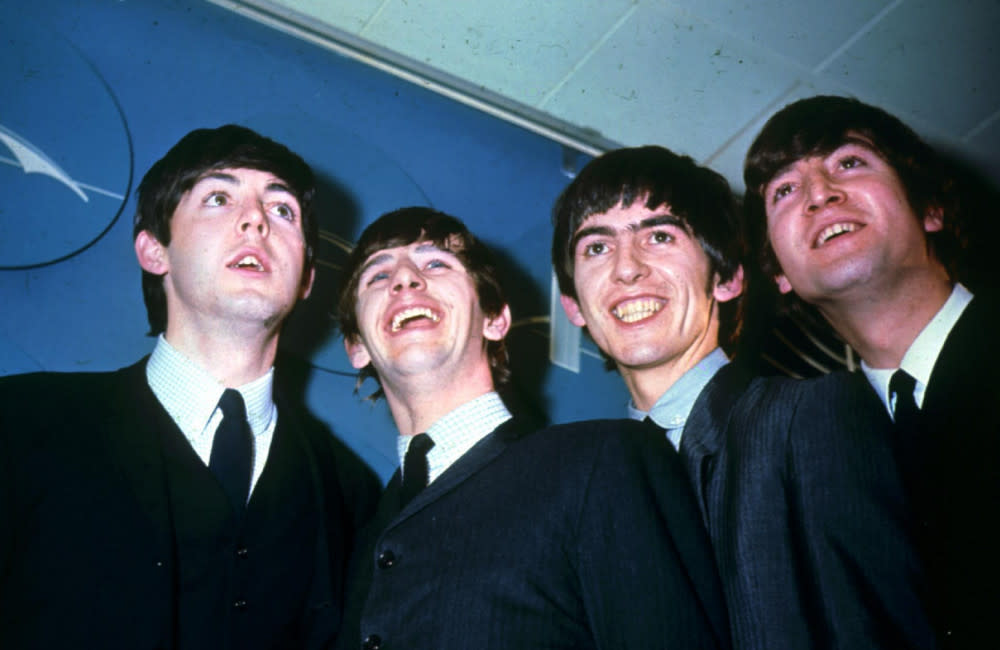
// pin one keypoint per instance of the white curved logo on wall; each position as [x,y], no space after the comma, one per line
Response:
[65,151]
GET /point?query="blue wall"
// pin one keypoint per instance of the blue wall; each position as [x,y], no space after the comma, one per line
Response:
[95,91]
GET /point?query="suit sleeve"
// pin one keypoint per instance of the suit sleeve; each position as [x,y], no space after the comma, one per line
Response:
[647,574]
[847,501]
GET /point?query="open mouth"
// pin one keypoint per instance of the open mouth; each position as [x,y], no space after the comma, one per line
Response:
[412,315]
[248,262]
[633,311]
[833,231]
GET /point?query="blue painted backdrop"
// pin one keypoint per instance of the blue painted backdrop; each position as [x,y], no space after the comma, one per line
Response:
[96,90]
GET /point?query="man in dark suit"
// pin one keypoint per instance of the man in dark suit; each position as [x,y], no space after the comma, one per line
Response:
[860,218]
[795,478]
[176,503]
[580,536]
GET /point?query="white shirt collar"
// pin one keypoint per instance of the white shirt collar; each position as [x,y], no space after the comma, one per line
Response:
[190,394]
[922,354]
[672,410]
[458,431]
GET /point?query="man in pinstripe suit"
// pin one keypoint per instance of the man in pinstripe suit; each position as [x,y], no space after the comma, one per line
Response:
[796,481]
[579,536]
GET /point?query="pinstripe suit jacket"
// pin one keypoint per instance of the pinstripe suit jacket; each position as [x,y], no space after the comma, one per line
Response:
[578,536]
[803,502]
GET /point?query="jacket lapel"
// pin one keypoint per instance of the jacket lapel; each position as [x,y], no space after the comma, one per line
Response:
[481,454]
[132,436]
[705,431]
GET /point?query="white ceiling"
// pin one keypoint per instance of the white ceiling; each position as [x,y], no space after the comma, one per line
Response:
[698,76]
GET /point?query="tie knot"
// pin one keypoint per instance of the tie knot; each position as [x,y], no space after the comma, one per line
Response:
[902,382]
[416,472]
[901,386]
[419,446]
[232,406]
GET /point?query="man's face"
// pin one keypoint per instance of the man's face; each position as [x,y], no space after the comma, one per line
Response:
[236,253]
[843,221]
[418,312]
[644,289]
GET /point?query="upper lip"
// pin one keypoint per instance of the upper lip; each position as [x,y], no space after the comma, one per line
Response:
[633,308]
[250,257]
[400,314]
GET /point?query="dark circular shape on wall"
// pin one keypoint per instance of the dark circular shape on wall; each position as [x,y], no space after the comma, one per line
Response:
[65,150]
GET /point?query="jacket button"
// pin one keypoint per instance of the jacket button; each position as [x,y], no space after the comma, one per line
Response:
[240,605]
[372,642]
[386,560]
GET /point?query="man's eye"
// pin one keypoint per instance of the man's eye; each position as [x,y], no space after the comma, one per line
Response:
[437,264]
[217,199]
[595,248]
[283,211]
[661,237]
[782,191]
[851,162]
[377,277]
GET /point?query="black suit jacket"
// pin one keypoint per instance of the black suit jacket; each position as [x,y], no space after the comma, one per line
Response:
[803,502]
[577,536]
[87,542]
[952,468]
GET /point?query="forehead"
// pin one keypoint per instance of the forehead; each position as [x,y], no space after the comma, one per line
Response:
[851,141]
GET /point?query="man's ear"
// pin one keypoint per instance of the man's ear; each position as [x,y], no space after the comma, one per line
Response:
[357,353]
[307,283]
[784,286]
[934,219]
[731,288]
[572,309]
[152,255]
[494,329]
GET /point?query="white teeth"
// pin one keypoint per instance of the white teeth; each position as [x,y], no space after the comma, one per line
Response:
[830,232]
[249,261]
[636,310]
[412,312]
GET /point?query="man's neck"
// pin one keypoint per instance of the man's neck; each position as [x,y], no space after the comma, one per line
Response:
[881,325]
[418,402]
[647,385]
[232,359]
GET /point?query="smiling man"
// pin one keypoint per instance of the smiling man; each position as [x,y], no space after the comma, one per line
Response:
[179,502]
[858,217]
[492,534]
[795,478]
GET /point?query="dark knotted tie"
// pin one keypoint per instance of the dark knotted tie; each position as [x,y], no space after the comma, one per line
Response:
[415,469]
[232,449]
[905,412]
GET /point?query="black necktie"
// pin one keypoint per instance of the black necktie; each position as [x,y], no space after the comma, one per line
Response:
[415,470]
[906,412]
[232,449]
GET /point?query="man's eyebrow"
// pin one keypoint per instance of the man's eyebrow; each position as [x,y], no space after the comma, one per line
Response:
[379,258]
[276,185]
[659,220]
[219,176]
[589,231]
[430,247]
[279,186]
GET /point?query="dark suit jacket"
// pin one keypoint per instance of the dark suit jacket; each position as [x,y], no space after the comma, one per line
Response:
[805,509]
[952,468]
[577,536]
[87,542]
